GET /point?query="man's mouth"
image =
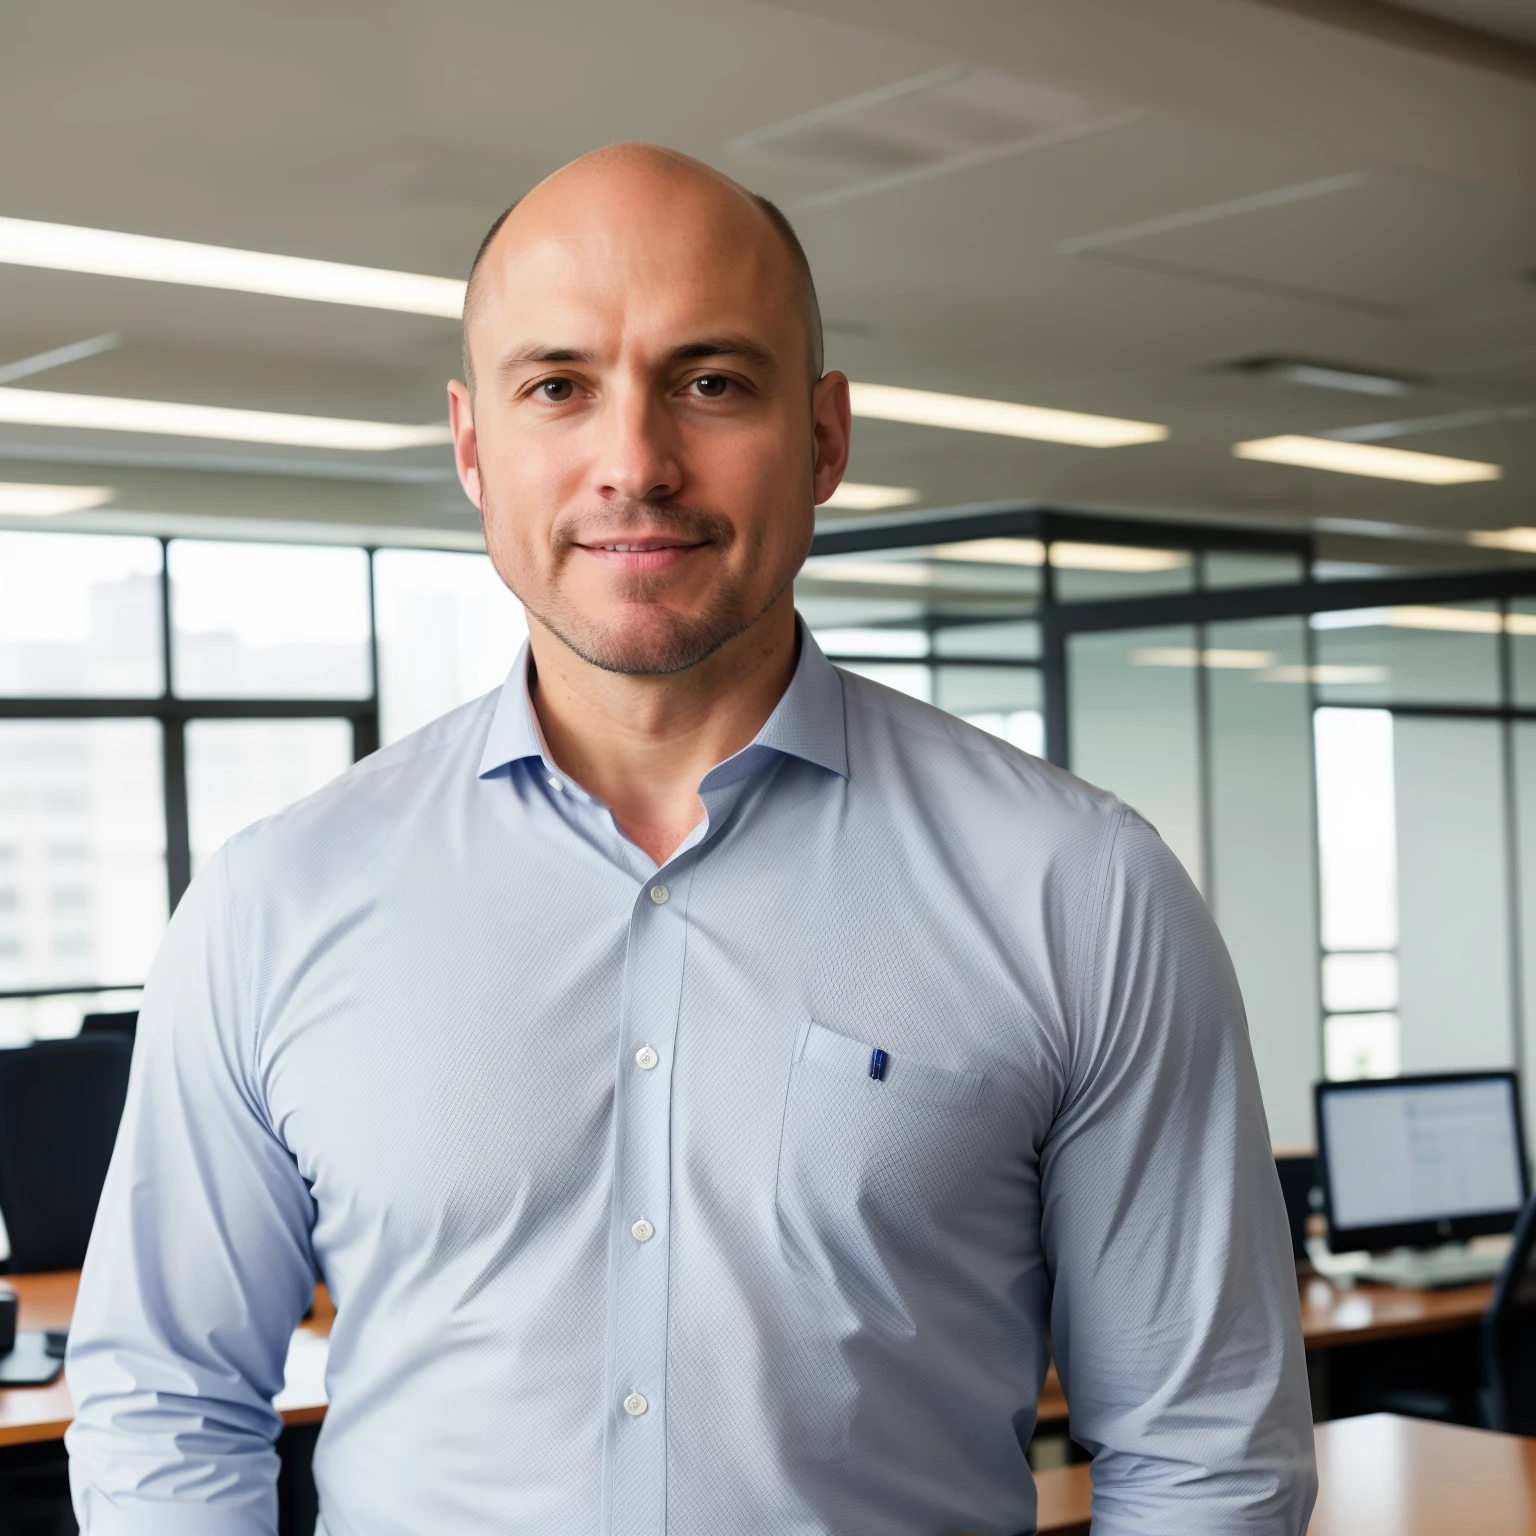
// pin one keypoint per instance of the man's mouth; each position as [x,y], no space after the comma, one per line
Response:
[643,556]
[642,546]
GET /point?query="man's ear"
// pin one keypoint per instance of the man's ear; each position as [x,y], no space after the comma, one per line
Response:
[466,448]
[832,433]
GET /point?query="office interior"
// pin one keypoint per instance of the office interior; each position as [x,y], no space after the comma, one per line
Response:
[1194,364]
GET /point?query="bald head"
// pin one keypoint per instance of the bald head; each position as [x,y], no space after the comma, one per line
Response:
[588,188]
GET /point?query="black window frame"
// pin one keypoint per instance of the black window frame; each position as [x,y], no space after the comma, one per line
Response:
[174,713]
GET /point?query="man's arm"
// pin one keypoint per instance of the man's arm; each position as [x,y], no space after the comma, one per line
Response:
[1174,1319]
[199,1264]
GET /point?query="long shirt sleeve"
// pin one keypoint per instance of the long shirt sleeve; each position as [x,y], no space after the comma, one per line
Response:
[199,1264]
[1174,1319]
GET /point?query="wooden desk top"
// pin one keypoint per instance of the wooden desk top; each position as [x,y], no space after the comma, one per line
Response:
[1377,1476]
[31,1414]
[1329,1316]
[1332,1317]
[1365,1314]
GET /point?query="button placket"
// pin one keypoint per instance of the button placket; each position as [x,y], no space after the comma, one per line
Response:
[639,1249]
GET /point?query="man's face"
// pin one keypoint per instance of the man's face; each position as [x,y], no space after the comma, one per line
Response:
[642,441]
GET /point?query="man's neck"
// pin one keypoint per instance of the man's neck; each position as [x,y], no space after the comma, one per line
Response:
[642,744]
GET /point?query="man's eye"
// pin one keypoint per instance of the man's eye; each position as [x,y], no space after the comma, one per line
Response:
[712,386]
[557,390]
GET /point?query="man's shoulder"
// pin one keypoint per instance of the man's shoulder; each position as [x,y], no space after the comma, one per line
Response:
[375,795]
[977,775]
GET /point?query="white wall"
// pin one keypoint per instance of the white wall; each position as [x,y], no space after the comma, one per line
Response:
[1132,730]
[1263,864]
[1452,883]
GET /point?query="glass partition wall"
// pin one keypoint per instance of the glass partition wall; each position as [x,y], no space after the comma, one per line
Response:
[1346,769]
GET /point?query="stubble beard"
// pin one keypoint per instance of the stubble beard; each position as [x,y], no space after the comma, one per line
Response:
[645,637]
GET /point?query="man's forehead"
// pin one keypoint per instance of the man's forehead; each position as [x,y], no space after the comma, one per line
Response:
[585,279]
[574,255]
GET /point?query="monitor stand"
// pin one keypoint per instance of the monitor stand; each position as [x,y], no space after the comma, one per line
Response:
[1419,1268]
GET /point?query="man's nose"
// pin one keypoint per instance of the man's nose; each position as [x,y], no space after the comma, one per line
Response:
[638,459]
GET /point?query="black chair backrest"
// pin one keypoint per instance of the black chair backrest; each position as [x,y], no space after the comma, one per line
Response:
[1298,1175]
[1509,1336]
[117,1023]
[60,1103]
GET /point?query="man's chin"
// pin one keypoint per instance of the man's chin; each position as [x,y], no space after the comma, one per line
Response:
[647,645]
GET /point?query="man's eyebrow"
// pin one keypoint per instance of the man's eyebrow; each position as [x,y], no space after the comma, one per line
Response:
[540,352]
[706,347]
[725,346]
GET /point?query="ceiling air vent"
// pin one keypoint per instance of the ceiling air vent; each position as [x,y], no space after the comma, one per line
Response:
[946,120]
[1316,375]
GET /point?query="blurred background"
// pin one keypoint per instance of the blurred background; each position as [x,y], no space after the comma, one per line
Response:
[1195,359]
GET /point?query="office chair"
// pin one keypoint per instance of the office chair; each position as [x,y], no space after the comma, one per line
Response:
[1508,1397]
[60,1103]
[101,1023]
[1298,1175]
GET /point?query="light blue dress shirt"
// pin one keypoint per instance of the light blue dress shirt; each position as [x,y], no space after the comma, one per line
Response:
[626,1237]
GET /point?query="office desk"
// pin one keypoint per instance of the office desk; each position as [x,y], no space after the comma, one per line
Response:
[1369,1314]
[29,1415]
[1378,1476]
[1330,1317]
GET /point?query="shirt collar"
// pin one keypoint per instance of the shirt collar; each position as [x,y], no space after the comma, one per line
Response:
[807,722]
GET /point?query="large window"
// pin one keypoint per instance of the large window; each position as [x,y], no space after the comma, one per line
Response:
[82,851]
[80,616]
[1357,851]
[156,696]
[241,770]
[448,632]
[1420,822]
[1352,788]
[269,621]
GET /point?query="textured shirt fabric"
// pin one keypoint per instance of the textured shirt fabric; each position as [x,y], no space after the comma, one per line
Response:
[624,1236]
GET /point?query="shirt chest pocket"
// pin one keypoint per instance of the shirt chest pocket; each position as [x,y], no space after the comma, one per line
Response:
[875,1161]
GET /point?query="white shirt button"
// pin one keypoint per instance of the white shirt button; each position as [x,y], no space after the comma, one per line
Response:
[642,1231]
[635,1404]
[556,784]
[660,895]
[646,1058]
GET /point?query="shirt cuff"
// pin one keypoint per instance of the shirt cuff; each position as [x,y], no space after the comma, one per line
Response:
[148,1518]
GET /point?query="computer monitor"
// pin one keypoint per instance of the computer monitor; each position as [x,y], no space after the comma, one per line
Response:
[1415,1161]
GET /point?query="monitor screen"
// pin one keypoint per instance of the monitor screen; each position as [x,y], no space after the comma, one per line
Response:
[1421,1152]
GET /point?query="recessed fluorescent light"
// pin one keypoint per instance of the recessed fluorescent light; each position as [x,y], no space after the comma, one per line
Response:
[1521,539]
[1260,663]
[1465,621]
[104,413]
[1366,459]
[18,499]
[870,498]
[1349,618]
[108,253]
[886,573]
[1187,656]
[922,407]
[993,551]
[1323,673]
[1115,557]
[1064,555]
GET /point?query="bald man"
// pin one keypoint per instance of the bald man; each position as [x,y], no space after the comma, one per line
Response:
[710,1084]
